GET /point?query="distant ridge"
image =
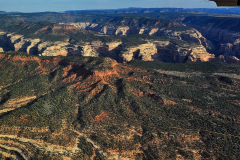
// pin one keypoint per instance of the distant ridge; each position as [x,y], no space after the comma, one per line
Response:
[131,10]
[233,10]
[3,12]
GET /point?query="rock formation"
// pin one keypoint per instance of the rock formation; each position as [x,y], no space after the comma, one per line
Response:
[166,51]
[33,46]
[191,35]
[227,59]
[5,42]
[229,40]
[53,49]
[152,50]
[145,52]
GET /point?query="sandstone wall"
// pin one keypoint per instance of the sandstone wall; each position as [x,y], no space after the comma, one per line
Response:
[191,35]
[167,52]
[153,50]
[228,41]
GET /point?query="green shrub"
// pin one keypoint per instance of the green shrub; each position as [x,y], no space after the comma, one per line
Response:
[85,146]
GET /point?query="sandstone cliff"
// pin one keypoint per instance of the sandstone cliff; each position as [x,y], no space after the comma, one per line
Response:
[5,42]
[53,48]
[190,35]
[221,32]
[167,52]
[152,50]
[228,41]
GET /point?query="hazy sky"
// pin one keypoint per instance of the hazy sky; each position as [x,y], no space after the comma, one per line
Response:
[63,5]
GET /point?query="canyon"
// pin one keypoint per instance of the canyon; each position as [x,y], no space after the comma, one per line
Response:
[163,50]
[95,87]
[228,41]
[189,35]
[181,43]
[221,30]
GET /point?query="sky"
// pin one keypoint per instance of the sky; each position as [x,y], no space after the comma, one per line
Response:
[63,5]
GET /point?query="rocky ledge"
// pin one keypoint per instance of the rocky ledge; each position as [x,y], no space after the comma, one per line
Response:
[191,35]
[152,50]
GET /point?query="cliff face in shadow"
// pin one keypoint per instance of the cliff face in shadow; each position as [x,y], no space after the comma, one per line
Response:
[221,30]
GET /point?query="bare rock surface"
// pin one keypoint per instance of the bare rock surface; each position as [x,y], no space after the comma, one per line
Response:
[151,50]
[191,35]
[229,41]
[166,51]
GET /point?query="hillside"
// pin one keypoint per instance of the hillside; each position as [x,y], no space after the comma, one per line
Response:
[96,108]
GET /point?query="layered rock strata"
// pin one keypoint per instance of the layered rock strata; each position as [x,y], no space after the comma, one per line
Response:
[152,50]
[191,35]
[226,42]
[166,51]
[229,41]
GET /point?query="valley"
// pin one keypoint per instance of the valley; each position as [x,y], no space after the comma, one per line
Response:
[130,84]
[125,37]
[222,30]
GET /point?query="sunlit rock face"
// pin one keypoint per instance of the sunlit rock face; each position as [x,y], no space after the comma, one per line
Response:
[149,51]
[191,35]
[229,41]
[155,50]
[167,52]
